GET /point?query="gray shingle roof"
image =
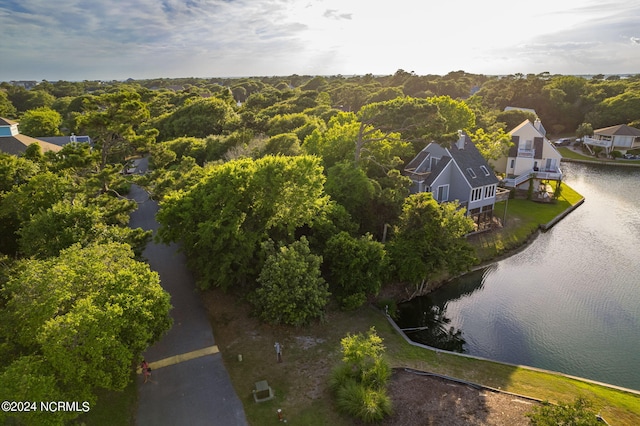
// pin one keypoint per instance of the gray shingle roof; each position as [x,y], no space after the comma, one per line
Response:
[470,158]
[619,130]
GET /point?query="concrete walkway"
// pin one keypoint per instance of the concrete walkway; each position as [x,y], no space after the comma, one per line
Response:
[189,384]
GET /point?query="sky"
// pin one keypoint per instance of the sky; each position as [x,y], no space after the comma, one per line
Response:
[114,40]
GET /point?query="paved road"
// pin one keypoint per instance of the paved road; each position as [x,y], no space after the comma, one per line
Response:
[189,383]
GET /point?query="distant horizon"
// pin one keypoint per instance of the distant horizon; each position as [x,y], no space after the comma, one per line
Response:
[106,41]
[621,75]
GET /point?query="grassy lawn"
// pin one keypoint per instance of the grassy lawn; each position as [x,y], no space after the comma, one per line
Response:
[523,219]
[569,153]
[300,381]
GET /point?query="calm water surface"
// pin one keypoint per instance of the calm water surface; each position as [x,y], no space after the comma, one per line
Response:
[569,302]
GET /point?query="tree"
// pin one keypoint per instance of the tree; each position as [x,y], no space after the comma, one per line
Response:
[430,238]
[401,119]
[492,145]
[86,316]
[584,129]
[42,121]
[346,138]
[7,110]
[113,120]
[283,144]
[65,224]
[223,220]
[352,189]
[291,289]
[198,118]
[576,414]
[356,268]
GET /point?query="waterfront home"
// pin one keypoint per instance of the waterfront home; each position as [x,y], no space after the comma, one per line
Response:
[15,143]
[458,173]
[532,158]
[615,138]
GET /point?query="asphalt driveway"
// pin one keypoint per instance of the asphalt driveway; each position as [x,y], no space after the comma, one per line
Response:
[189,384]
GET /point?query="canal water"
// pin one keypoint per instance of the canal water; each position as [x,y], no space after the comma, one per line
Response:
[570,302]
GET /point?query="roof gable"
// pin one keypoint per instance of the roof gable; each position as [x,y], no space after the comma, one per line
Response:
[471,162]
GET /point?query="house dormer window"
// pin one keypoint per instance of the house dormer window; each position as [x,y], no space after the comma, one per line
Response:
[471,173]
[484,170]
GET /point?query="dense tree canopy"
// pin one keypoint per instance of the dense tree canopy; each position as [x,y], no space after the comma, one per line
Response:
[42,121]
[429,238]
[291,290]
[84,317]
[237,206]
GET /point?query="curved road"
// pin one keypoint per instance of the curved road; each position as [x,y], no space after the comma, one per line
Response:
[189,383]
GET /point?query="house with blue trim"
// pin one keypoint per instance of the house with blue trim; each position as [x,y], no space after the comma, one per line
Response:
[15,143]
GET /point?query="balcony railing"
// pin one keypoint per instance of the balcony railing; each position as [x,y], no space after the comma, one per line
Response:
[597,142]
[555,174]
[526,153]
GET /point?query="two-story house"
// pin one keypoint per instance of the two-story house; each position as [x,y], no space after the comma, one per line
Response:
[459,173]
[531,158]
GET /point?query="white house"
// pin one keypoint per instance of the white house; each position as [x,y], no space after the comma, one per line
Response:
[621,138]
[458,173]
[531,156]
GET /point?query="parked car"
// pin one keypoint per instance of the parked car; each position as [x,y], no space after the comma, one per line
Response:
[563,142]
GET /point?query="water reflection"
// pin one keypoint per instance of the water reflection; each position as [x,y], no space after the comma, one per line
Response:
[568,302]
[424,320]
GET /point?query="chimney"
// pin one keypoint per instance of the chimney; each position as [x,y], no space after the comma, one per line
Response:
[461,139]
[539,127]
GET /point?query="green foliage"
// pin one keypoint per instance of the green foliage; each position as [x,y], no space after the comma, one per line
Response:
[430,238]
[356,268]
[283,144]
[351,188]
[492,145]
[113,120]
[15,171]
[367,404]
[359,383]
[64,224]
[83,318]
[7,110]
[42,121]
[238,205]
[291,289]
[584,129]
[199,118]
[578,413]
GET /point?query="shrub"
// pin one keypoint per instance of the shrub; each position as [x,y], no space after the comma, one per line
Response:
[369,405]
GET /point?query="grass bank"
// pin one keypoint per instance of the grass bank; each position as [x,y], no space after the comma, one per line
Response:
[300,382]
[523,219]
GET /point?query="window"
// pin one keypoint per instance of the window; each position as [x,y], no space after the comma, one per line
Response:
[471,173]
[513,164]
[485,170]
[528,145]
[489,191]
[434,162]
[443,193]
[476,194]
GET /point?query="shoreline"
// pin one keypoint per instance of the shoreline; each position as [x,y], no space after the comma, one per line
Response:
[527,367]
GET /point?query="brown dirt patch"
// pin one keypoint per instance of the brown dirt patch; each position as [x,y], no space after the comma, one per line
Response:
[426,400]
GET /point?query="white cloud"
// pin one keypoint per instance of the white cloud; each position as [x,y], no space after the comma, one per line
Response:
[75,39]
